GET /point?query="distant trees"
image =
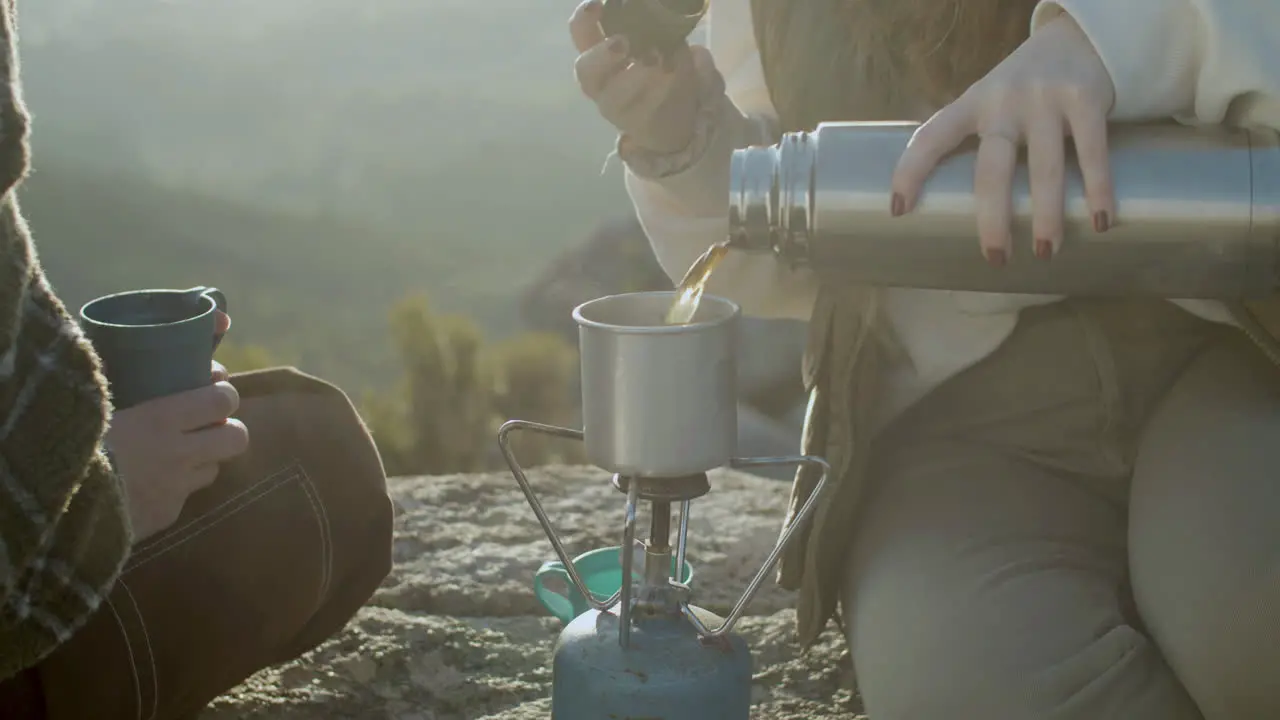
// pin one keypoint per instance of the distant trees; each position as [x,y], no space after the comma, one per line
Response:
[456,390]
[238,357]
[443,414]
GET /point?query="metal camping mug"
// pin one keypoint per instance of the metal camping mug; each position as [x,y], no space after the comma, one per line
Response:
[658,400]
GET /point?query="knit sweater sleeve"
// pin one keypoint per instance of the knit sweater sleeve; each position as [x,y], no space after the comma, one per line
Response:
[1197,61]
[64,531]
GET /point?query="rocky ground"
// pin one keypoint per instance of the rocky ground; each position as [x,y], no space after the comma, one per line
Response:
[456,634]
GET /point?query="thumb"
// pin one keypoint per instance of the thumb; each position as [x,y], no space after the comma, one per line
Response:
[703,63]
[705,67]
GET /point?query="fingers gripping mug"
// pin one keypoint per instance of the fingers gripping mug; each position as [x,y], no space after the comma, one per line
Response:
[154,343]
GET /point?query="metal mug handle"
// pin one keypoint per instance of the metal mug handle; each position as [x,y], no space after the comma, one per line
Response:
[219,299]
[624,593]
[504,444]
[801,518]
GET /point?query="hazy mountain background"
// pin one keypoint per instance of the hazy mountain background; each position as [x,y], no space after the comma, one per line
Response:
[316,159]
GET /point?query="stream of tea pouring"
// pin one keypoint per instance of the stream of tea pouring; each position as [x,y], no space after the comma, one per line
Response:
[694,283]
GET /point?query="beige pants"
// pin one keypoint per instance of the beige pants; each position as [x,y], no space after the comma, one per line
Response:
[1084,526]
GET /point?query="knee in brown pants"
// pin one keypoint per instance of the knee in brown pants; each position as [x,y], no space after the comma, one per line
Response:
[265,564]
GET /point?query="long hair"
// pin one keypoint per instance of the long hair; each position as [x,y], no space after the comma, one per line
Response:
[880,59]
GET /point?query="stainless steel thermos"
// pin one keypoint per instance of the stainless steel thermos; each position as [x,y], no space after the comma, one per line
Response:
[1198,215]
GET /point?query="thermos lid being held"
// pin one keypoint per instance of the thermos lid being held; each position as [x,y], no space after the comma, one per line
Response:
[661,25]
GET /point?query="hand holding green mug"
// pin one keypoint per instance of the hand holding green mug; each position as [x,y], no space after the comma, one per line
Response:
[172,405]
[601,572]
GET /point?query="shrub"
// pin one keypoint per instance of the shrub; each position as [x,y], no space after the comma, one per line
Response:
[444,414]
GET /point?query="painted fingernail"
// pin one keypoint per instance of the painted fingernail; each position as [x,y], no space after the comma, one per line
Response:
[618,45]
[1101,221]
[995,258]
[897,205]
[1044,249]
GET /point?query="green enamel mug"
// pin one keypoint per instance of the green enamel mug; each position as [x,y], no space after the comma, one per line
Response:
[601,572]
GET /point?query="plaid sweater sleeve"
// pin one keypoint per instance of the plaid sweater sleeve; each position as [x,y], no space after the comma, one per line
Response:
[64,531]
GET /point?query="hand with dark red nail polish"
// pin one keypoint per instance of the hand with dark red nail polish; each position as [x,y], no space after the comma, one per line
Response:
[897,205]
[1101,221]
[1053,87]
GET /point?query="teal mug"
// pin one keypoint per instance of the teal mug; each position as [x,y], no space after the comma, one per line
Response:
[154,343]
[601,572]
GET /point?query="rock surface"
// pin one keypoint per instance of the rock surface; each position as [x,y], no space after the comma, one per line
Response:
[455,632]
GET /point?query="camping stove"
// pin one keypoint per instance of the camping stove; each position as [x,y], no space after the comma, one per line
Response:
[659,410]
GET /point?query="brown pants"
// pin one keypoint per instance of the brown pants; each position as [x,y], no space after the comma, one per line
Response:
[269,561]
